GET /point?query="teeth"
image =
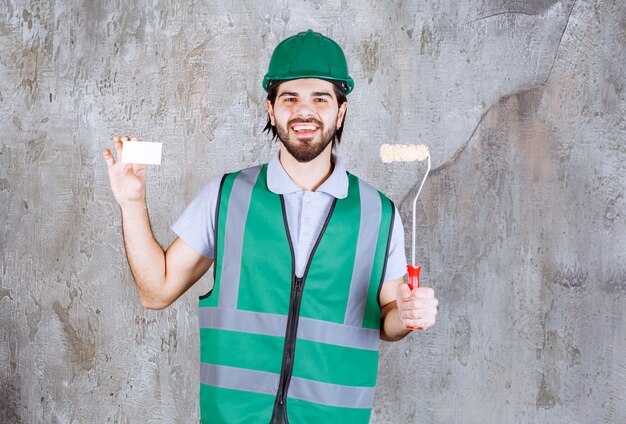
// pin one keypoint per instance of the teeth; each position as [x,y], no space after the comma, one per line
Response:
[304,128]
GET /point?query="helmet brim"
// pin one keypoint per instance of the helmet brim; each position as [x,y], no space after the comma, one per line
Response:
[345,85]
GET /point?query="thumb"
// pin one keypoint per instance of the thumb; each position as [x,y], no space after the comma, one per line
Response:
[404,292]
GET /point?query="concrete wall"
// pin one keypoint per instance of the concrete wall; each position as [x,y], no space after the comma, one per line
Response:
[521,225]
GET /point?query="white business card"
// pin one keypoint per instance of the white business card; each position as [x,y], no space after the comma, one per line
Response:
[144,152]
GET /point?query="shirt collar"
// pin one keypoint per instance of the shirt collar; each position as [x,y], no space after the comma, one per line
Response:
[279,182]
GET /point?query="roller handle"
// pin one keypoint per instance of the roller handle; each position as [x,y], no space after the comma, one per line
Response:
[413,282]
[414,275]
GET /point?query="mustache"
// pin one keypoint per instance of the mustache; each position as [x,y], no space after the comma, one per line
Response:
[293,121]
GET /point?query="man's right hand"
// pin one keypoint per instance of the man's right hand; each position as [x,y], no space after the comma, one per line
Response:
[128,180]
[161,277]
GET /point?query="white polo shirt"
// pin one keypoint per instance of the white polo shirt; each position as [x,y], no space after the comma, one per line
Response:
[306,212]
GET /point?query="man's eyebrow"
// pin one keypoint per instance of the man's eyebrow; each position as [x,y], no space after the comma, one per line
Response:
[313,94]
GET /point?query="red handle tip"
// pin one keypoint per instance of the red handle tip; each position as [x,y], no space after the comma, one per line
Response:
[414,275]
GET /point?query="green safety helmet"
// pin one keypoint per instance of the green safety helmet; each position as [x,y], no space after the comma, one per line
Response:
[309,55]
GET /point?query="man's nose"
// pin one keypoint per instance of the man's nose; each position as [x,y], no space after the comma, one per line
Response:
[304,110]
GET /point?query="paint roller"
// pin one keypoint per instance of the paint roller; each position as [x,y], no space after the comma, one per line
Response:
[409,153]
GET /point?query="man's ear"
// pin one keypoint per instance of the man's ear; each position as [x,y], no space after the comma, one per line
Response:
[341,113]
[270,112]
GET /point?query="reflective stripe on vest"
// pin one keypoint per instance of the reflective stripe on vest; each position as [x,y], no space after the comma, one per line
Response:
[274,325]
[365,248]
[238,210]
[243,322]
[300,388]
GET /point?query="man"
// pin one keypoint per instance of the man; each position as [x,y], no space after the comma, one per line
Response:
[309,260]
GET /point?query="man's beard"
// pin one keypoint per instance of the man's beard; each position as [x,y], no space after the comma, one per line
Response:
[306,150]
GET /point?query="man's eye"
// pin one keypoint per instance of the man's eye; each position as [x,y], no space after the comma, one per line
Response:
[320,100]
[290,99]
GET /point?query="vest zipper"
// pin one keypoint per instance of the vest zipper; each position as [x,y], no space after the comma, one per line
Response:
[279,414]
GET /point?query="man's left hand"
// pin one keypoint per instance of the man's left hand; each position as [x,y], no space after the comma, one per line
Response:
[417,308]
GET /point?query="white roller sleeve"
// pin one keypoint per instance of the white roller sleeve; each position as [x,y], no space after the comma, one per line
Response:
[403,152]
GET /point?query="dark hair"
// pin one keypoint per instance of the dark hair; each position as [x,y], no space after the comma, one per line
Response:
[273,92]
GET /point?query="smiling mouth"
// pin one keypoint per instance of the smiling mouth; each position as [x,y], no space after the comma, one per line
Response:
[304,128]
[304,131]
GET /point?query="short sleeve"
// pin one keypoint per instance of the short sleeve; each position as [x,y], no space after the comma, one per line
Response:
[196,225]
[396,257]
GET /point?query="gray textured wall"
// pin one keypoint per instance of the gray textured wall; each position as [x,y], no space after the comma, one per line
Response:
[521,225]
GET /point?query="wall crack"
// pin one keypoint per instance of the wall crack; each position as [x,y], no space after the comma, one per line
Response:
[506,12]
[558,46]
